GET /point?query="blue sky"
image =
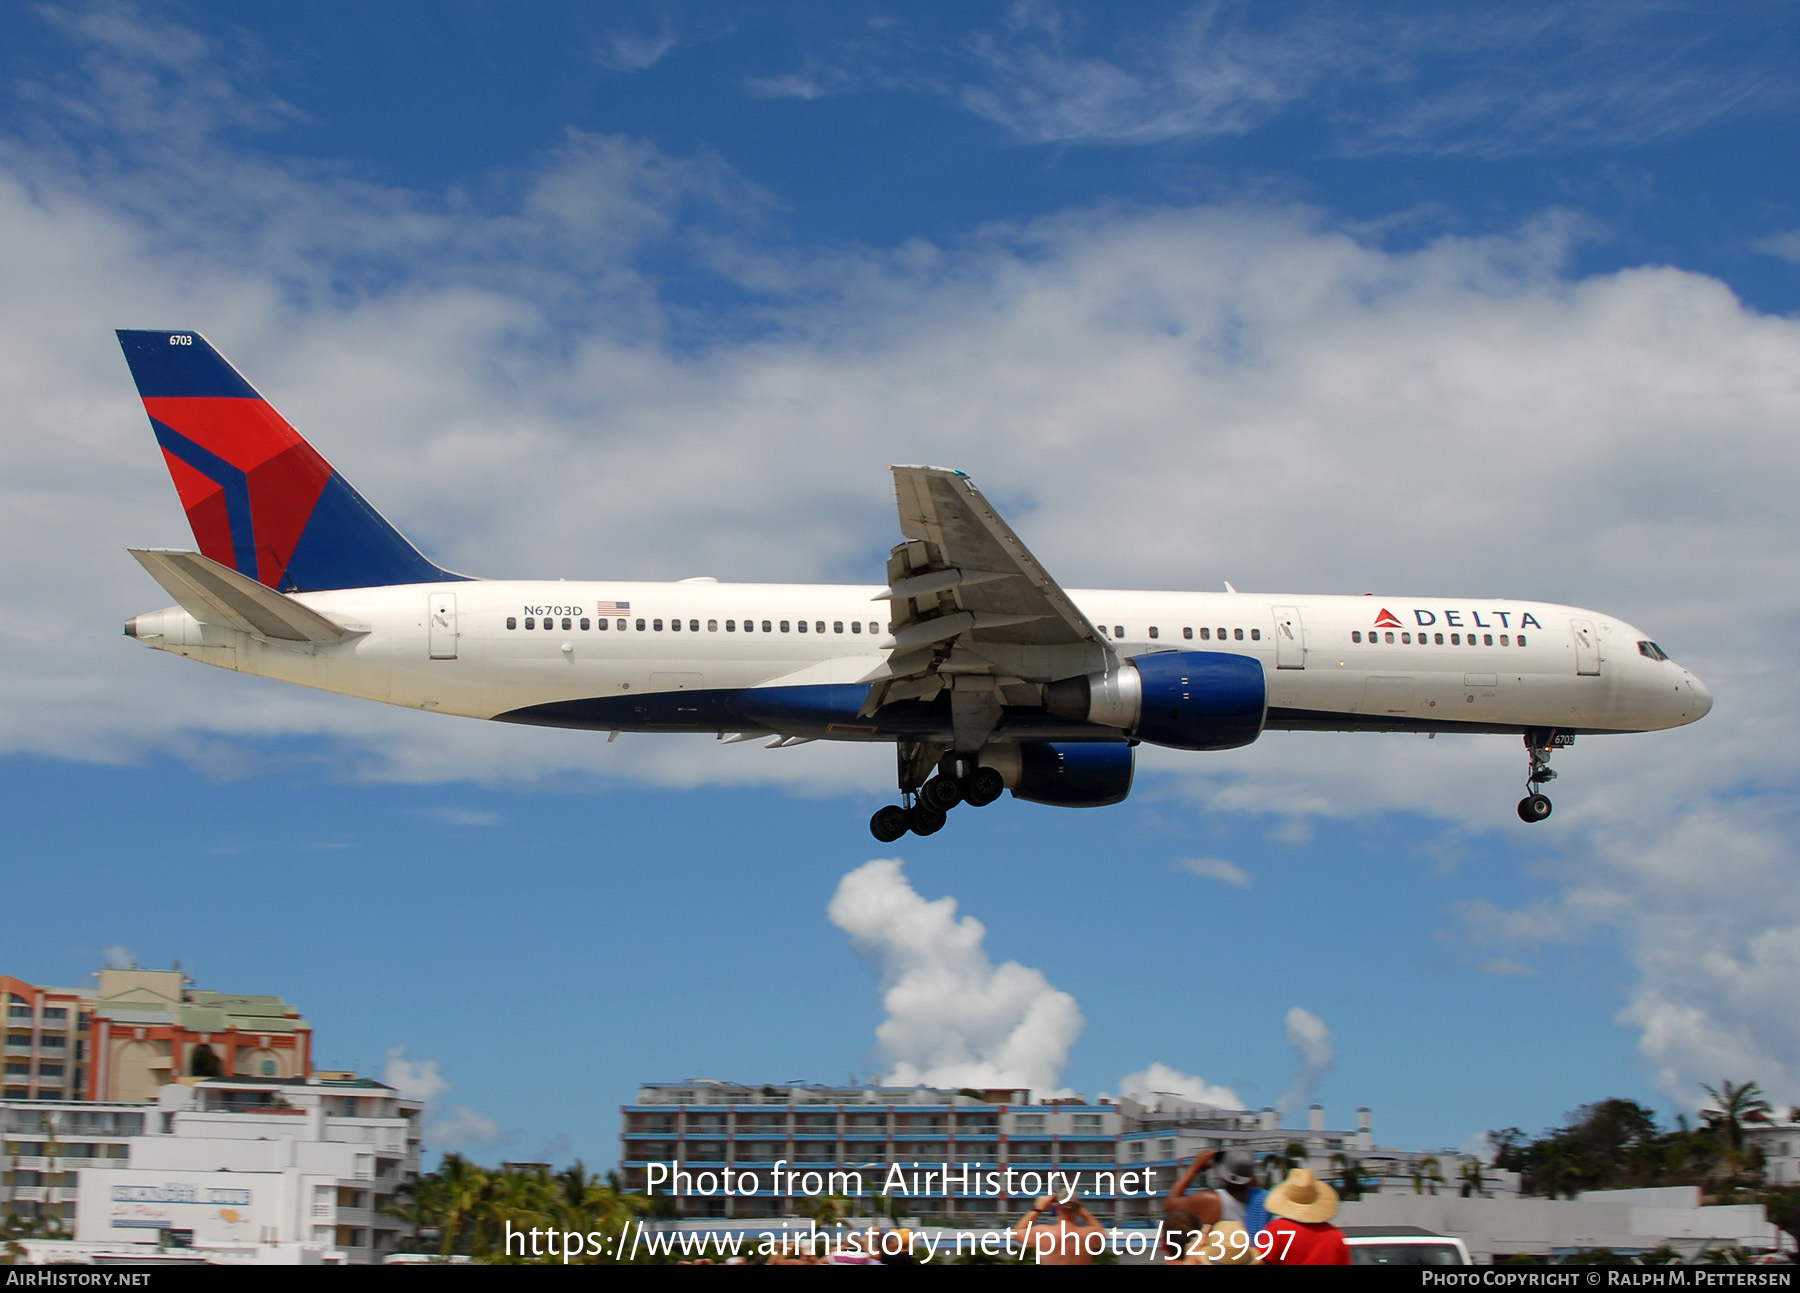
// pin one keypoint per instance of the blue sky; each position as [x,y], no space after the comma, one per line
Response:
[1306,297]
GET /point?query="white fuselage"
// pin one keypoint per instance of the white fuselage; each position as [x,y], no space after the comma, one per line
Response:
[1377,663]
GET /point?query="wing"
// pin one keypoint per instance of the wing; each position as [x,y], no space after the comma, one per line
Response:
[973,610]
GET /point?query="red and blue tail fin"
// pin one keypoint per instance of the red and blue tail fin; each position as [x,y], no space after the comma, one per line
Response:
[261,500]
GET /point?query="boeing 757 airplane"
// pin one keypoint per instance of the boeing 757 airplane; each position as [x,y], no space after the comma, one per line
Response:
[982,671]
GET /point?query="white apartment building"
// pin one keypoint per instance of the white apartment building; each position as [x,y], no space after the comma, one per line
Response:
[241,1168]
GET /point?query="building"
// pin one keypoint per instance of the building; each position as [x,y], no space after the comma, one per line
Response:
[240,1168]
[1779,1141]
[138,1030]
[1127,1152]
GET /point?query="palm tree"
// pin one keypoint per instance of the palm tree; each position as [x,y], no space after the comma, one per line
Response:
[1473,1182]
[1427,1171]
[456,1194]
[1737,1105]
[1349,1176]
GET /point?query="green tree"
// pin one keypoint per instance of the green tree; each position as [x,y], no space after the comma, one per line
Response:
[1427,1172]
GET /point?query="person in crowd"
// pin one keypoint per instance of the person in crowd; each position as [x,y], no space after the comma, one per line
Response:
[1241,1199]
[1071,1225]
[1300,1232]
[1190,1213]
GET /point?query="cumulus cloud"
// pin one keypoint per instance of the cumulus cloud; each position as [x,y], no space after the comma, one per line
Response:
[413,1079]
[1312,1045]
[1215,869]
[1161,1084]
[459,1127]
[954,1018]
[465,1127]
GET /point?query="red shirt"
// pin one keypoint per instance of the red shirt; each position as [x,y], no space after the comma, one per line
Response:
[1317,1243]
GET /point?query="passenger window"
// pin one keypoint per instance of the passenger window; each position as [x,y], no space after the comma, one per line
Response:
[1153,633]
[1438,638]
[837,626]
[767,629]
[1239,633]
[731,626]
[819,626]
[1222,635]
[530,623]
[640,626]
[584,626]
[566,625]
[1206,635]
[1503,641]
[512,621]
[1256,635]
[603,625]
[1356,635]
[1118,630]
[657,625]
[712,626]
[802,627]
[856,626]
[1456,639]
[1487,639]
[1521,639]
[1406,639]
[674,625]
[1188,634]
[622,625]
[784,626]
[1389,637]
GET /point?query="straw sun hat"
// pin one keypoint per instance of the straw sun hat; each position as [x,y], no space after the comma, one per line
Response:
[1302,1197]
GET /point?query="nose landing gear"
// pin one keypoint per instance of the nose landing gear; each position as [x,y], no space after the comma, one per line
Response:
[1535,807]
[926,801]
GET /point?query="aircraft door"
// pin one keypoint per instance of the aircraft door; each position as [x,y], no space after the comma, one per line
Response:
[1290,638]
[441,630]
[1587,648]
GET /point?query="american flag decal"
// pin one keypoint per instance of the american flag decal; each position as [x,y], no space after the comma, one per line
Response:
[612,608]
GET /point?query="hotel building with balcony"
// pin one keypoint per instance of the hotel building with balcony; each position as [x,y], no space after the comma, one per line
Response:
[710,1125]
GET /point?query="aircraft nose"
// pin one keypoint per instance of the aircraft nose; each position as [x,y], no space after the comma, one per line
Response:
[1702,702]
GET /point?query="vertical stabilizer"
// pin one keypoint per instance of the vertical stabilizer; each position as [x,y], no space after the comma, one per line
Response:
[259,497]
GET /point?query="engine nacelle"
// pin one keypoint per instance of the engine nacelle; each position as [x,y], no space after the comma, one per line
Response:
[1067,774]
[1188,700]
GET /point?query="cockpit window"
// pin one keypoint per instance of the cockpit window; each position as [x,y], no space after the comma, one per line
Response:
[1652,650]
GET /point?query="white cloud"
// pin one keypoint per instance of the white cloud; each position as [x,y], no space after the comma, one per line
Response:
[117,956]
[1158,1083]
[1215,869]
[953,1017]
[465,1127]
[1786,246]
[1537,77]
[462,1126]
[635,51]
[1312,1045]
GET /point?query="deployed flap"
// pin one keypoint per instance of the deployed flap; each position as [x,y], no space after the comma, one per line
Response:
[216,594]
[971,601]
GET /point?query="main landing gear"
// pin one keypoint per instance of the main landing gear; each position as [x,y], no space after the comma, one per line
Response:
[1535,807]
[925,805]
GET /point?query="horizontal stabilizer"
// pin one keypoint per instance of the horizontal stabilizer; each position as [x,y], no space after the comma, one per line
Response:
[216,594]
